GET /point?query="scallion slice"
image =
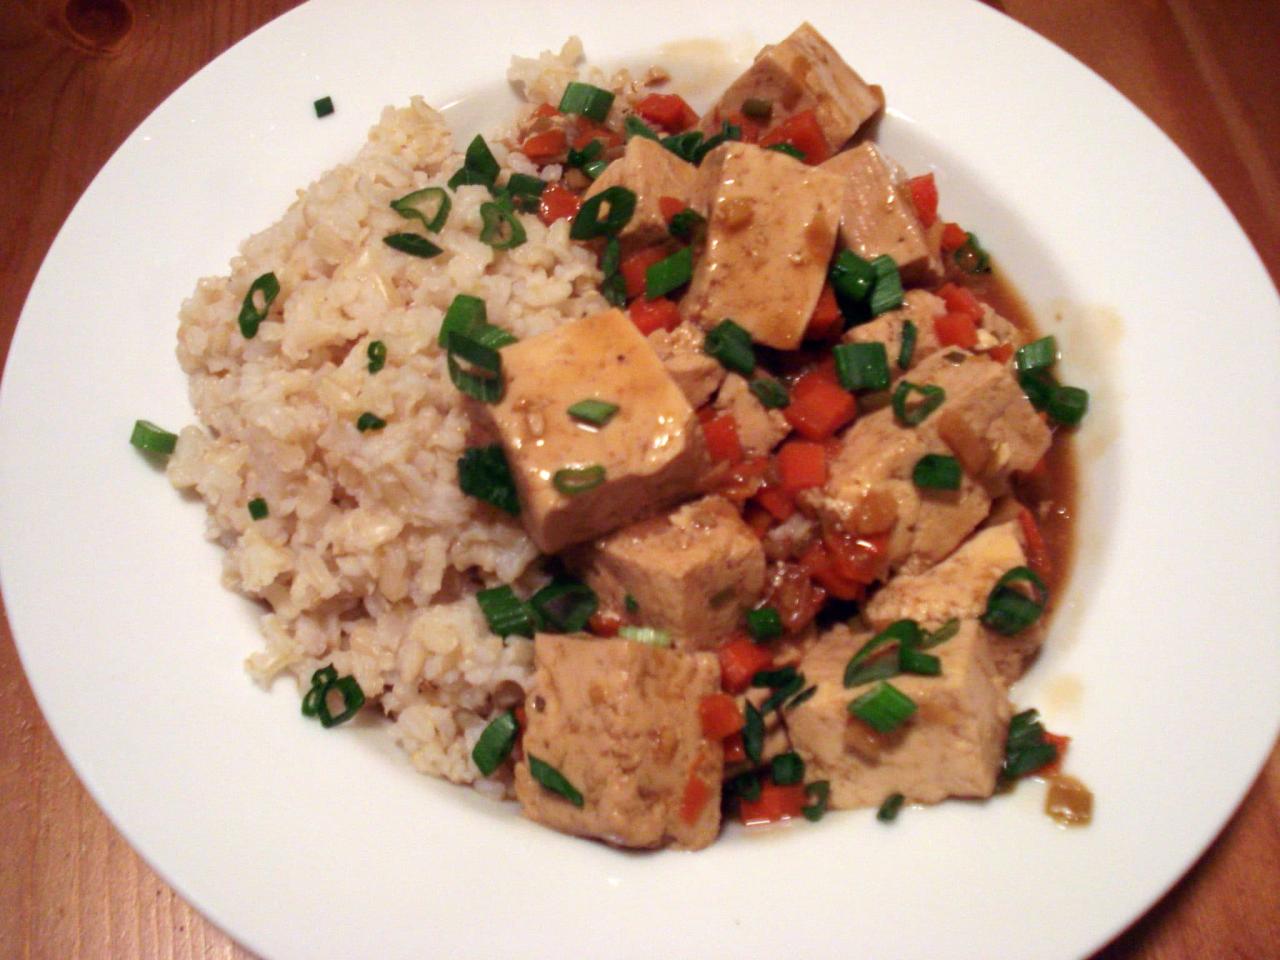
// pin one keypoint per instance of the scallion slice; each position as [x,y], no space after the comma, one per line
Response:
[819,791]
[780,696]
[251,315]
[147,436]
[774,678]
[771,394]
[908,348]
[572,481]
[611,257]
[931,398]
[595,412]
[479,166]
[728,131]
[802,697]
[465,314]
[595,168]
[902,632]
[504,612]
[1038,385]
[972,258]
[483,473]
[631,604]
[376,353]
[564,606]
[764,624]
[1025,748]
[937,471]
[887,293]
[888,811]
[653,636]
[1011,611]
[668,274]
[883,666]
[789,150]
[786,769]
[753,734]
[744,786]
[757,108]
[1068,405]
[633,126]
[525,191]
[685,145]
[495,743]
[884,707]
[687,224]
[352,700]
[592,152]
[862,366]
[851,276]
[258,509]
[586,100]
[912,660]
[487,385]
[1037,355]
[369,421]
[731,345]
[502,230]
[941,635]
[414,244]
[554,780]
[319,681]
[430,205]
[620,204]
[323,107]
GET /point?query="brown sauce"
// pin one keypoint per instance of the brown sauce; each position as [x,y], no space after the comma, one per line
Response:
[1068,801]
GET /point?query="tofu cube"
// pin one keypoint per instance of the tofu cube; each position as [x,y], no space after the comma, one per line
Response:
[697,375]
[770,234]
[921,308]
[619,720]
[652,450]
[651,172]
[951,747]
[692,572]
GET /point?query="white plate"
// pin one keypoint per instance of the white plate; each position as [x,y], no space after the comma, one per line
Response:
[302,842]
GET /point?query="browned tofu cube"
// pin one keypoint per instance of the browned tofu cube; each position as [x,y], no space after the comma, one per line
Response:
[877,217]
[759,428]
[770,233]
[619,721]
[951,747]
[920,308]
[651,451]
[803,72]
[696,374]
[692,572]
[651,171]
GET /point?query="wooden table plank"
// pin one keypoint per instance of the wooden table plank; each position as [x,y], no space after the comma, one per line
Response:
[72,88]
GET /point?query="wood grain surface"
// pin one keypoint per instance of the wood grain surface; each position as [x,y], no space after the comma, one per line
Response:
[76,77]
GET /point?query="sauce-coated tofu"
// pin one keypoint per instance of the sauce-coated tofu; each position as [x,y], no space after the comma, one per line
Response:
[619,720]
[651,172]
[770,233]
[652,449]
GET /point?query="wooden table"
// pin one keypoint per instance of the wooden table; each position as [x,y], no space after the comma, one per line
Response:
[75,79]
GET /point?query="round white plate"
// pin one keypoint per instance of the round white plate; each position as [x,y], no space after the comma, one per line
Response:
[302,842]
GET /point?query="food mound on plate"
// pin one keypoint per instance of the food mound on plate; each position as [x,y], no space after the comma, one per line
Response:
[646,466]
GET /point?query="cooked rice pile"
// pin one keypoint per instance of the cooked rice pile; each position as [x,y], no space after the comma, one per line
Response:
[371,555]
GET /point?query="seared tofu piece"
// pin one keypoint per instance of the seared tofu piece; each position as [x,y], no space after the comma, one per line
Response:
[803,72]
[876,216]
[759,428]
[921,308]
[959,587]
[951,747]
[651,171]
[770,232]
[697,375]
[619,720]
[692,572]
[652,450]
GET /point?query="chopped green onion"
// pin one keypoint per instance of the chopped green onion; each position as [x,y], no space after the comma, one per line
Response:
[802,697]
[901,632]
[887,293]
[251,315]
[258,508]
[633,126]
[666,275]
[1037,355]
[597,412]
[971,258]
[554,780]
[376,352]
[465,314]
[1038,385]
[430,205]
[525,191]
[786,769]
[774,678]
[1011,611]
[595,168]
[687,224]
[324,676]
[483,473]
[753,734]
[505,613]
[586,101]
[487,386]
[1068,405]
[883,666]
[731,345]
[931,398]
[587,225]
[771,394]
[494,745]
[685,145]
[819,790]
[147,436]
[369,421]
[479,166]
[764,624]
[782,693]
[614,290]
[937,471]
[757,108]
[851,276]
[728,131]
[631,604]
[352,701]
[745,786]
[652,636]
[564,606]
[862,366]
[789,150]
[912,660]
[908,348]
[592,152]
[320,680]
[611,257]
[888,811]
[1025,748]
[414,244]
[323,107]
[941,635]
[502,230]
[572,481]
[884,707]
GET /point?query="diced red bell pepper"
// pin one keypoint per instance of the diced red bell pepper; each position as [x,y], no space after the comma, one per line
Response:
[651,315]
[956,330]
[670,206]
[721,434]
[557,202]
[604,624]
[802,464]
[961,300]
[720,716]
[779,504]
[546,110]
[924,197]
[1037,550]
[858,558]
[636,265]
[696,795]
[735,751]
[802,131]
[751,129]
[668,111]
[774,803]
[1001,353]
[817,562]
[544,147]
[953,237]
[740,660]
[827,321]
[819,406]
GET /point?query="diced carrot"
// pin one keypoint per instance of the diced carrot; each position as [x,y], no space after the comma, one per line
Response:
[751,129]
[1061,742]
[721,434]
[696,795]
[801,464]
[604,624]
[777,502]
[544,147]
[670,206]
[1001,353]
[924,197]
[817,561]
[557,202]
[956,330]
[746,477]
[720,716]
[803,132]
[545,110]
[589,130]
[735,751]
[827,321]
[1037,551]
[857,558]
[774,803]
[792,592]
[819,406]
[953,237]
[740,660]
[668,111]
[651,315]
[635,265]
[961,300]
